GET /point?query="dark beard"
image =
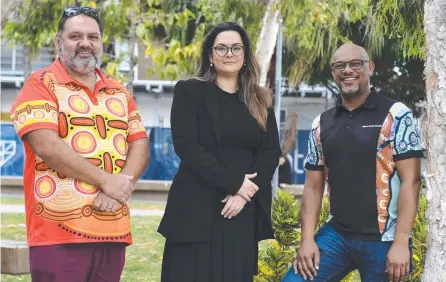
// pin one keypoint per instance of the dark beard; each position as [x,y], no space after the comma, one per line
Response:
[348,96]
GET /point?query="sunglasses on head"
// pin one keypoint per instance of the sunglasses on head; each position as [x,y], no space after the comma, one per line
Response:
[74,11]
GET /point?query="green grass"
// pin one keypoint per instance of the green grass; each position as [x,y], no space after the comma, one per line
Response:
[13,227]
[12,200]
[143,258]
[147,206]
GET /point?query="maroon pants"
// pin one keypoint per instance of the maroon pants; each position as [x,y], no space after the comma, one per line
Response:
[89,262]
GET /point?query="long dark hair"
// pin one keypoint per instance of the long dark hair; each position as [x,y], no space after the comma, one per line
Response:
[257,99]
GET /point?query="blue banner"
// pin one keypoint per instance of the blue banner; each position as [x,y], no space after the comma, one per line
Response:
[298,155]
[163,160]
[12,155]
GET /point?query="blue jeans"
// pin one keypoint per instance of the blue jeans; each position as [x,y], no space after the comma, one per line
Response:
[340,255]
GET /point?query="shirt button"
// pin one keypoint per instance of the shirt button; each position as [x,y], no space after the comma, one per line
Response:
[351,115]
[348,126]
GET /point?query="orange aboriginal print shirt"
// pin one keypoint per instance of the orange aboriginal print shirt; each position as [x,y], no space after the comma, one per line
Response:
[98,126]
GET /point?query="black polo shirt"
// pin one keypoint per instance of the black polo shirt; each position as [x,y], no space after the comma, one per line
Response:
[358,149]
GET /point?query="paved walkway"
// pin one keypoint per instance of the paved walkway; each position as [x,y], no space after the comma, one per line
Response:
[133,212]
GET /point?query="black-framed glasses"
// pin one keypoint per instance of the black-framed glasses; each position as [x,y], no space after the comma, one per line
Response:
[222,50]
[74,11]
[354,65]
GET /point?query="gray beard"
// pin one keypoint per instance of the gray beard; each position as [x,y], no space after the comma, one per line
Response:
[78,64]
[349,95]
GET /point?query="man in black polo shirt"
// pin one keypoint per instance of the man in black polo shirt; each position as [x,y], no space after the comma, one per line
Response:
[367,148]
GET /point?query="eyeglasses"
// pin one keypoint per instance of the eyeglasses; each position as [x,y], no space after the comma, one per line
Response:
[223,50]
[74,11]
[354,65]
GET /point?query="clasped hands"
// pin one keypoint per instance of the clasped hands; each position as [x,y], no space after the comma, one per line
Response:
[235,203]
[116,190]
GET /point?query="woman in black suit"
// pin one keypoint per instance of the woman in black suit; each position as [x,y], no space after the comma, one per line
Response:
[225,133]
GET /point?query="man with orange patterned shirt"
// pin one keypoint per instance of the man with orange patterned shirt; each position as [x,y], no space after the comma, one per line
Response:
[85,146]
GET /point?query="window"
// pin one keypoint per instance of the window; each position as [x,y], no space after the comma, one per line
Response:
[313,94]
[282,116]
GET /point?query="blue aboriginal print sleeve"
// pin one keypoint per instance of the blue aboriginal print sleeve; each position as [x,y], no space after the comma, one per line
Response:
[405,134]
[315,157]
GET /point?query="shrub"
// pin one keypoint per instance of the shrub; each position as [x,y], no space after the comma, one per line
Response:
[419,241]
[277,255]
[275,260]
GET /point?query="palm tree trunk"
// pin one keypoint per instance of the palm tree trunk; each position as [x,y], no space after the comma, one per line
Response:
[26,62]
[435,138]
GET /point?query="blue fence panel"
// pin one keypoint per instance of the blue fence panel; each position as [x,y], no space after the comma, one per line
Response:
[163,160]
[12,155]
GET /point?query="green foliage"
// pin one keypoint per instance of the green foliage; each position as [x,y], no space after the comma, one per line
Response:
[165,32]
[235,11]
[323,26]
[275,261]
[115,19]
[32,24]
[179,27]
[402,20]
[286,219]
[171,31]
[319,34]
[35,23]
[419,240]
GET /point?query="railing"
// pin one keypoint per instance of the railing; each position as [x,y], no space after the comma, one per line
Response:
[12,63]
[12,59]
[12,68]
[12,71]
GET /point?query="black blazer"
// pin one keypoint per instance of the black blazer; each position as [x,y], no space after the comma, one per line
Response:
[195,133]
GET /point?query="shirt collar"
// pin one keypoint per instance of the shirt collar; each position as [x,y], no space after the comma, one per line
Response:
[62,76]
[371,103]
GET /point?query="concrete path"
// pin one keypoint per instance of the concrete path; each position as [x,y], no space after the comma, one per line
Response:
[133,212]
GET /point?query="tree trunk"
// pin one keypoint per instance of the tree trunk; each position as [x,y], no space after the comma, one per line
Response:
[267,40]
[435,138]
[26,62]
[132,42]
